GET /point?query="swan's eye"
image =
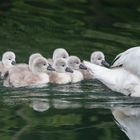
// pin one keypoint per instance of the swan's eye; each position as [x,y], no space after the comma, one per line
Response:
[99,58]
[63,65]
[64,56]
[44,64]
[9,58]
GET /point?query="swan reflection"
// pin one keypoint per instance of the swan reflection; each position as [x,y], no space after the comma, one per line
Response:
[128,119]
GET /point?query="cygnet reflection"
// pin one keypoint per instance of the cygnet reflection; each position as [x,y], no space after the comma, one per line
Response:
[40,105]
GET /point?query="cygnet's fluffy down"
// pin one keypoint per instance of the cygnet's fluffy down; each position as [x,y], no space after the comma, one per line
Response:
[61,73]
[8,60]
[36,75]
[31,59]
[75,64]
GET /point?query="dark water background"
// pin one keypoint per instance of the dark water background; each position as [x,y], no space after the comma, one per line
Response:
[81,111]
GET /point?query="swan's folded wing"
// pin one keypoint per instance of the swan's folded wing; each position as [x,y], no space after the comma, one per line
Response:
[125,57]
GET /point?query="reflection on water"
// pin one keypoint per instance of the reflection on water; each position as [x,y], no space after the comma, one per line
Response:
[74,111]
[128,119]
[78,116]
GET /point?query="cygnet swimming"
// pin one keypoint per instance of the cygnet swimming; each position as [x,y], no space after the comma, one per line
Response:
[75,64]
[61,73]
[58,53]
[97,58]
[36,75]
[8,60]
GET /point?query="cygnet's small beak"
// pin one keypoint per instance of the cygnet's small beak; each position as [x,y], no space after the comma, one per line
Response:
[69,70]
[82,66]
[13,62]
[50,68]
[106,64]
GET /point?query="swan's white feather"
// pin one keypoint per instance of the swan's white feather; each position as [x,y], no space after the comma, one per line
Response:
[117,79]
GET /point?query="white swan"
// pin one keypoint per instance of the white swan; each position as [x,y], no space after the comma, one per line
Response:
[117,79]
[19,77]
[130,60]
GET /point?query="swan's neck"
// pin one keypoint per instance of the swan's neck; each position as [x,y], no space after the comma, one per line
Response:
[107,76]
[101,73]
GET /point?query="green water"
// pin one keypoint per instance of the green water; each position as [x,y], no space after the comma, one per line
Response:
[81,111]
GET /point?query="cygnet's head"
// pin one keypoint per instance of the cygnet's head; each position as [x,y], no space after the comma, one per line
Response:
[41,65]
[32,57]
[8,58]
[98,58]
[61,66]
[75,63]
[60,53]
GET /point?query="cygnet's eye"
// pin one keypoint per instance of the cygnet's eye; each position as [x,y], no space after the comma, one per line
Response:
[99,58]
[9,58]
[63,65]
[64,56]
[44,64]
[77,62]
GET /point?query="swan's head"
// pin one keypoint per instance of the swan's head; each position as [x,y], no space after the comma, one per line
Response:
[61,66]
[9,59]
[41,65]
[98,58]
[32,57]
[60,53]
[75,63]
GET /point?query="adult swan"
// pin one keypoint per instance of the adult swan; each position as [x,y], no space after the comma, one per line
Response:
[124,77]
